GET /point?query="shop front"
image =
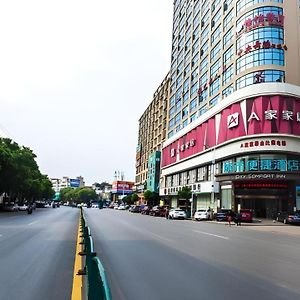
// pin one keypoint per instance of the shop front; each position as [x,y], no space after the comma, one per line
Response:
[265,194]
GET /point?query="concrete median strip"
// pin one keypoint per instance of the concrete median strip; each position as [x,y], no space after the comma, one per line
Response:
[77,279]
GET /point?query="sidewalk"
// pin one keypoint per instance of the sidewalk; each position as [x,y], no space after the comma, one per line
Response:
[256,222]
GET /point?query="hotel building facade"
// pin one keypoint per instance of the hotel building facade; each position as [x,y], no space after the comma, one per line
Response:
[234,108]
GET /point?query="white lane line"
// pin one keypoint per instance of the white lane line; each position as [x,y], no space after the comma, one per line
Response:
[159,237]
[215,235]
[32,223]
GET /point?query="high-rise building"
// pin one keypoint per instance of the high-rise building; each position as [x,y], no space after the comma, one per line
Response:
[234,109]
[151,135]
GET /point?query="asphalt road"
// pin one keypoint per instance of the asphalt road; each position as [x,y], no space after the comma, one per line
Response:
[158,259]
[37,254]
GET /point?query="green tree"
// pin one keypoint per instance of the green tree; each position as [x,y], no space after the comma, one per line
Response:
[127,199]
[151,198]
[86,195]
[20,177]
[185,193]
[134,198]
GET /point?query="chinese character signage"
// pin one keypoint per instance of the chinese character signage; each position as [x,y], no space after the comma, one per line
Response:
[268,119]
[252,165]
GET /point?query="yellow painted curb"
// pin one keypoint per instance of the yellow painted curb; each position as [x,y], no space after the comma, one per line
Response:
[77,279]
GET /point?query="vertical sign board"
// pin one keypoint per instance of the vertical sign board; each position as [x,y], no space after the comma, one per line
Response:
[298,197]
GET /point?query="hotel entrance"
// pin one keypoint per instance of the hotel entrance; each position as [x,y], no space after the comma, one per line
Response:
[264,199]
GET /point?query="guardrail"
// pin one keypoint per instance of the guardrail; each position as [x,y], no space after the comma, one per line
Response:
[97,284]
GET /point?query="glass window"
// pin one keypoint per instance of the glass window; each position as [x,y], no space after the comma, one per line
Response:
[260,57]
[196,20]
[215,51]
[203,79]
[243,4]
[172,100]
[215,68]
[214,87]
[226,92]
[227,75]
[195,59]
[214,101]
[227,56]
[194,88]
[260,11]
[216,18]
[215,36]
[227,39]
[193,117]
[185,111]
[204,33]
[227,20]
[259,77]
[186,97]
[195,46]
[193,105]
[171,123]
[194,76]
[203,96]
[273,34]
[185,123]
[204,49]
[172,112]
[177,118]
[203,64]
[196,33]
[202,110]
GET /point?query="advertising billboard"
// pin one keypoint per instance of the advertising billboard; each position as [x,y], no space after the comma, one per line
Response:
[122,187]
[75,183]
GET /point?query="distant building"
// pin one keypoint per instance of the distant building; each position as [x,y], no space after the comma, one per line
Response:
[152,133]
[60,183]
[121,189]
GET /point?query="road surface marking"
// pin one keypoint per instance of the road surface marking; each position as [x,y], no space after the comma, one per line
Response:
[77,279]
[215,235]
[32,223]
[159,237]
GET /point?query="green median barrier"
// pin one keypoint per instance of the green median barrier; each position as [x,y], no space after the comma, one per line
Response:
[97,284]
[98,288]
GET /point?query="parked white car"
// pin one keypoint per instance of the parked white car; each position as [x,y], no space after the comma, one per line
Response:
[23,207]
[177,213]
[121,207]
[202,214]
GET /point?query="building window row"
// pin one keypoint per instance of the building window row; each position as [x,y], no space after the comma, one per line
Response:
[273,34]
[260,11]
[241,5]
[260,57]
[260,77]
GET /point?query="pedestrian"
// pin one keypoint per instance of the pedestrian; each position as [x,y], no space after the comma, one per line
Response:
[238,219]
[167,213]
[229,218]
